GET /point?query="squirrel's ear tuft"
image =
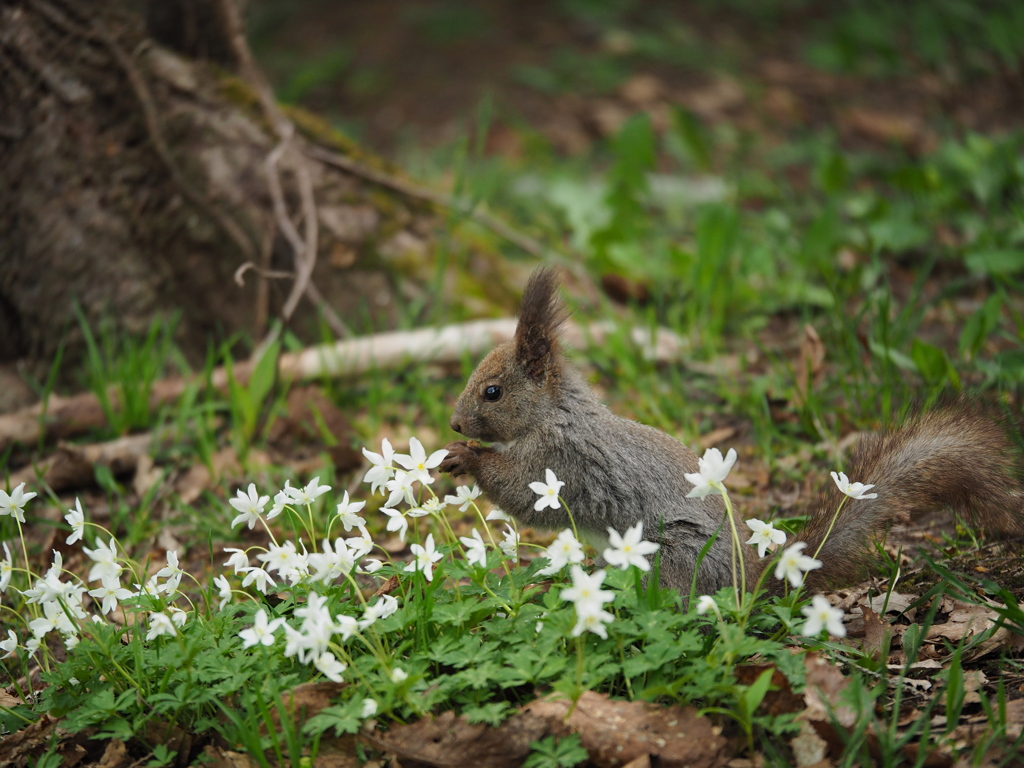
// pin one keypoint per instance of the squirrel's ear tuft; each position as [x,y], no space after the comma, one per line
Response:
[540,316]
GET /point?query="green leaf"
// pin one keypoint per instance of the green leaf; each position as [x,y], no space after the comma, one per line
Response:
[933,363]
[693,136]
[980,325]
[955,690]
[894,356]
[996,261]
[264,375]
[552,752]
[343,718]
[755,694]
[492,714]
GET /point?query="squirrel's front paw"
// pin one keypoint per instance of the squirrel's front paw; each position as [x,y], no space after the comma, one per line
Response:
[461,458]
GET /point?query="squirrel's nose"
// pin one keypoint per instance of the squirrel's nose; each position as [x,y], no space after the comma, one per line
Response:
[455,425]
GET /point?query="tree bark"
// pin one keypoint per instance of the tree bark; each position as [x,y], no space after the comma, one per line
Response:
[134,182]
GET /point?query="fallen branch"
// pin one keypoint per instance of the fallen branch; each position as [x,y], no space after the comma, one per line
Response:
[73,466]
[64,417]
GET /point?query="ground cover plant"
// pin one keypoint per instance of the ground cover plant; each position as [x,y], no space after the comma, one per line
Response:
[818,284]
[460,626]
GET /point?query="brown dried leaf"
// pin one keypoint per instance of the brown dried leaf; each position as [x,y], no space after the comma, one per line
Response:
[896,603]
[825,683]
[903,128]
[114,756]
[191,484]
[966,620]
[147,475]
[30,742]
[447,740]
[304,701]
[217,757]
[614,732]
[641,90]
[388,586]
[338,752]
[716,436]
[876,633]
[808,747]
[312,420]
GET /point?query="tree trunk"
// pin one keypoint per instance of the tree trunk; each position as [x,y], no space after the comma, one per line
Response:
[136,180]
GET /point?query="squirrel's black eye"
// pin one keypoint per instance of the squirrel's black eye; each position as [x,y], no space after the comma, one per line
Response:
[492,393]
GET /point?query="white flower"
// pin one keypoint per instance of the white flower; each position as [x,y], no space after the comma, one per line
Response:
[792,564]
[497,514]
[432,506]
[50,589]
[160,624]
[369,708]
[309,643]
[259,577]
[239,560]
[476,550]
[464,496]
[360,545]
[586,592]
[417,461]
[6,569]
[510,543]
[223,591]
[250,505]
[178,617]
[565,549]
[548,491]
[630,548]
[282,499]
[383,608]
[347,513]
[14,503]
[821,615]
[330,666]
[332,562]
[171,572]
[345,626]
[10,645]
[401,488]
[706,603]
[76,519]
[592,622]
[399,675]
[372,565]
[765,535]
[310,493]
[32,645]
[711,472]
[110,592]
[383,466]
[424,558]
[261,632]
[105,559]
[283,558]
[853,490]
[397,522]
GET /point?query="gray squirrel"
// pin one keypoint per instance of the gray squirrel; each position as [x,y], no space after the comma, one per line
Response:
[538,412]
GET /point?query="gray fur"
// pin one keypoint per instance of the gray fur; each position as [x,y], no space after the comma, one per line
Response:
[618,472]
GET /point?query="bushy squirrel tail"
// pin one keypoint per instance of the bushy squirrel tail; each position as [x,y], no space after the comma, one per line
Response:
[963,456]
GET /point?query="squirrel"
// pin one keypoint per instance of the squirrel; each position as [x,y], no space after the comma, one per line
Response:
[539,413]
